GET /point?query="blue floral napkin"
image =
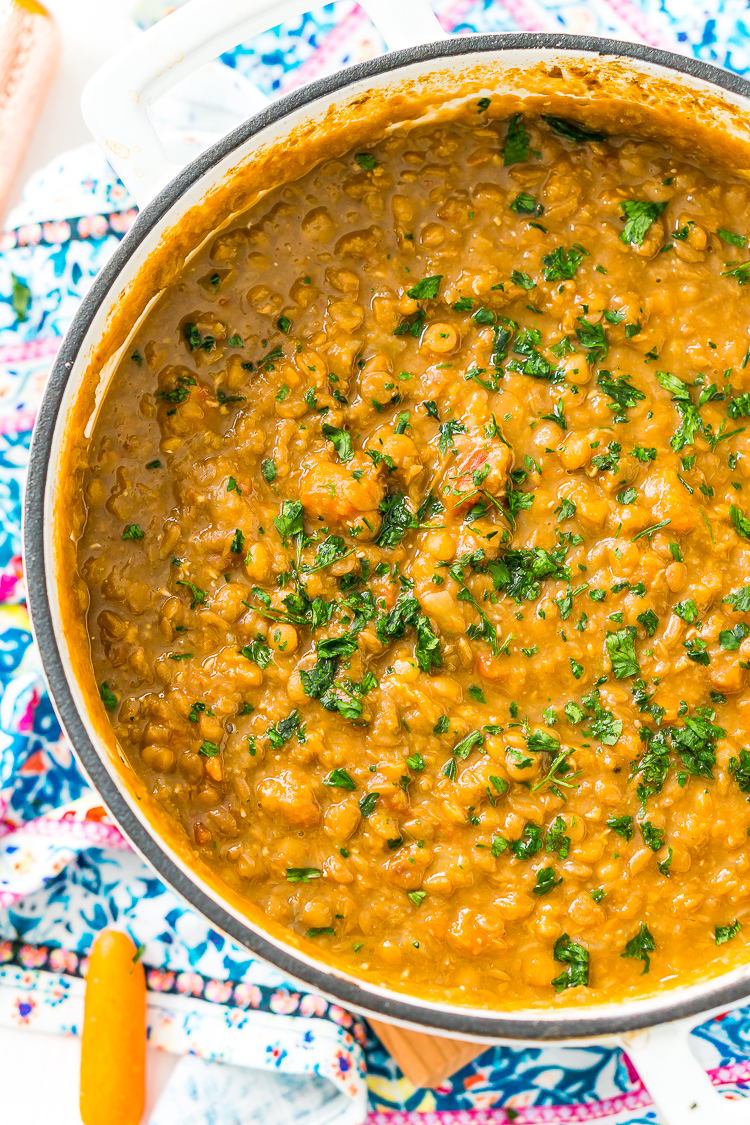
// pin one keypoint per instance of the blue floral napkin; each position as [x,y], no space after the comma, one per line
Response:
[255,1047]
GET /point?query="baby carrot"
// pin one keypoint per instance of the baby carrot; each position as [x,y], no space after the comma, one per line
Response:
[113,1053]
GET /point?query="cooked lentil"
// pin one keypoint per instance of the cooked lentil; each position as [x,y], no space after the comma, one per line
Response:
[417,544]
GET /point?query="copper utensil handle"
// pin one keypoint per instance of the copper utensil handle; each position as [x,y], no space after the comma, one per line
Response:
[29,53]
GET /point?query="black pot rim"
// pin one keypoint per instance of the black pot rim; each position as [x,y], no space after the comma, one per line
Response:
[347,991]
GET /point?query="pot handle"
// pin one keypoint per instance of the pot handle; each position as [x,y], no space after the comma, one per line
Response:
[680,1087]
[116,100]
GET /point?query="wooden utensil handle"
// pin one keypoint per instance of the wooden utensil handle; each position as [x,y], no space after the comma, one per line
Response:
[426,1060]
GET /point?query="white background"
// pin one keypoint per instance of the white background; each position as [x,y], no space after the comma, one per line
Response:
[39,1073]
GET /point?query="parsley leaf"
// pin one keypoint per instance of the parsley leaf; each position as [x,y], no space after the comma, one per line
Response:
[739,405]
[731,639]
[691,419]
[732,238]
[653,837]
[427,651]
[447,432]
[640,214]
[726,933]
[341,441]
[522,280]
[741,273]
[572,131]
[20,298]
[463,748]
[290,520]
[593,338]
[199,596]
[623,394]
[529,844]
[523,204]
[257,651]
[561,264]
[556,840]
[571,953]
[640,946]
[133,531]
[567,509]
[398,518]
[546,881]
[519,572]
[649,621]
[740,521]
[108,697]
[687,610]
[339,779]
[425,289]
[367,803]
[621,649]
[622,825]
[740,599]
[282,731]
[539,742]
[302,874]
[516,141]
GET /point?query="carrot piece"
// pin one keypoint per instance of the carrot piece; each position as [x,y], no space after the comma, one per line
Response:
[113,1052]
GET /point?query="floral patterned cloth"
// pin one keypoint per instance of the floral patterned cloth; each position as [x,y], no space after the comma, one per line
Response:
[256,1047]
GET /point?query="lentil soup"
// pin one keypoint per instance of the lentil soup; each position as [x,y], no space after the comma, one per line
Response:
[415,557]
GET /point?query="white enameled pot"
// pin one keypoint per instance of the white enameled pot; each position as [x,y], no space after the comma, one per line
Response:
[654,1031]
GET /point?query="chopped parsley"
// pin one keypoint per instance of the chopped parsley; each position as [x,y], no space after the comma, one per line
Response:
[367,803]
[426,289]
[640,947]
[577,958]
[398,518]
[302,874]
[522,280]
[546,881]
[340,779]
[133,531]
[639,215]
[341,441]
[257,651]
[199,596]
[621,649]
[516,141]
[282,731]
[572,131]
[740,521]
[290,521]
[723,934]
[523,204]
[561,264]
[622,825]
[108,697]
[653,837]
[556,840]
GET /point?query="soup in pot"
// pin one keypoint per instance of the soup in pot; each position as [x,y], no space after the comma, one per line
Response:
[416,555]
